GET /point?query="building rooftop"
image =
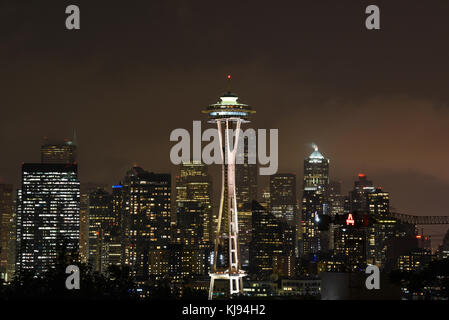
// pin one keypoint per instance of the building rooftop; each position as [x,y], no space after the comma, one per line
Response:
[316,154]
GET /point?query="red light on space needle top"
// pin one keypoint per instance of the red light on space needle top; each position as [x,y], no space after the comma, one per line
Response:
[350,220]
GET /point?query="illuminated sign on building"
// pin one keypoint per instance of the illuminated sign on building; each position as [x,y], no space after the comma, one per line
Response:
[350,220]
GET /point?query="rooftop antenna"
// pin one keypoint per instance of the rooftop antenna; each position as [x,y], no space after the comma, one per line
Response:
[229,82]
[74,139]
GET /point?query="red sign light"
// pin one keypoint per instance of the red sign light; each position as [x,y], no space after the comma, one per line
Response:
[350,220]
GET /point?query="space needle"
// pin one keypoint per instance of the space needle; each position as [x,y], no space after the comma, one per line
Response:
[229,115]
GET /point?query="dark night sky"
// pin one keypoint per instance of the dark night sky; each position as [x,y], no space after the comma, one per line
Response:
[374,101]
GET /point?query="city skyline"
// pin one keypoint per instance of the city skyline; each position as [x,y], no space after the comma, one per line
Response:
[376,90]
[436,232]
[118,164]
[135,226]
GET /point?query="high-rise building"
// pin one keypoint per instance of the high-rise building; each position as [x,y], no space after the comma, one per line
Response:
[379,203]
[194,183]
[146,222]
[47,215]
[86,189]
[359,196]
[350,243]
[190,220]
[383,228]
[373,203]
[283,203]
[314,201]
[100,221]
[59,151]
[245,232]
[6,223]
[189,238]
[336,208]
[11,259]
[246,189]
[245,180]
[336,199]
[272,248]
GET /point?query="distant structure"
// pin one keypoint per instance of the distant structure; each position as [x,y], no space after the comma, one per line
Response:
[245,181]
[314,202]
[228,113]
[283,197]
[59,151]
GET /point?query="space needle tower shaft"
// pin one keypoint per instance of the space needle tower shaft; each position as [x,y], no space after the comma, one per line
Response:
[229,115]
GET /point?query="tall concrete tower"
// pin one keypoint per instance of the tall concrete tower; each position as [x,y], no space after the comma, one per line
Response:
[229,115]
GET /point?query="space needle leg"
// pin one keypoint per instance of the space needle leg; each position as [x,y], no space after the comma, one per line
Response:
[211,287]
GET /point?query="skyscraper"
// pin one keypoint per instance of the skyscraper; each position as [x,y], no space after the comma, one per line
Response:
[336,208]
[85,190]
[47,215]
[246,192]
[59,151]
[245,180]
[6,216]
[314,200]
[100,223]
[378,204]
[359,196]
[336,199]
[194,183]
[272,248]
[190,242]
[147,222]
[283,204]
[350,243]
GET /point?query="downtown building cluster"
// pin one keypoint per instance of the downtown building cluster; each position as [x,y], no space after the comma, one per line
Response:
[292,244]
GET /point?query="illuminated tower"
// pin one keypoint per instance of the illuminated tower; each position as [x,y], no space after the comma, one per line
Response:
[48,215]
[283,197]
[59,151]
[146,222]
[314,201]
[228,114]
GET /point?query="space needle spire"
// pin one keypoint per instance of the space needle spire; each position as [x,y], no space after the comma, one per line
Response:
[229,115]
